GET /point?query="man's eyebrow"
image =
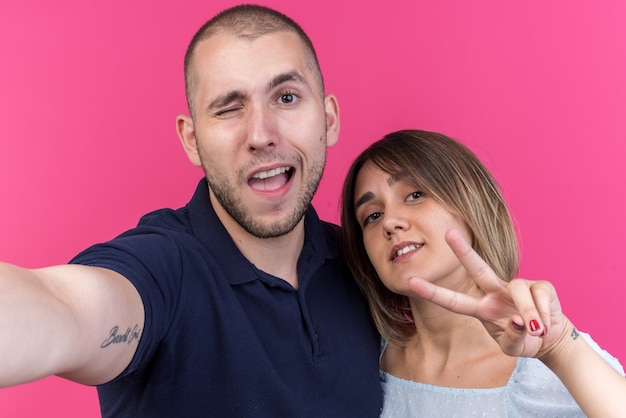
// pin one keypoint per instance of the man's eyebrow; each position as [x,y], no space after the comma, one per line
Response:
[227,98]
[285,77]
[363,200]
[235,95]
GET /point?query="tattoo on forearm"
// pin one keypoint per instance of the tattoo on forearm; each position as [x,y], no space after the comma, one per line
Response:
[574,334]
[128,337]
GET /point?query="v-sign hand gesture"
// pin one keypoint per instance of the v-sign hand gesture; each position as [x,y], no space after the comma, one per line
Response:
[523,316]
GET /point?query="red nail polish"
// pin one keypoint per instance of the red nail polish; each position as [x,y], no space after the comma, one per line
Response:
[534,325]
[545,331]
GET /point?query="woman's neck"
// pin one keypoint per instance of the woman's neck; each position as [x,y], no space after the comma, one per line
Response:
[448,349]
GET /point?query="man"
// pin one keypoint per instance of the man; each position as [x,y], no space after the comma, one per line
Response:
[236,304]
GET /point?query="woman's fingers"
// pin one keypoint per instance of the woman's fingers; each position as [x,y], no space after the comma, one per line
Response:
[520,291]
[537,303]
[475,266]
[532,299]
[449,299]
[546,302]
[513,340]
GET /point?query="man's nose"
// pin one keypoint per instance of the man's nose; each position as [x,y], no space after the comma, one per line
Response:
[262,132]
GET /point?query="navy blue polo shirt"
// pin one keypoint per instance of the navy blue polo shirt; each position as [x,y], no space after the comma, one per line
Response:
[224,339]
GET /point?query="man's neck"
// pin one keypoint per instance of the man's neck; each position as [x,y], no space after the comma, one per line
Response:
[276,256]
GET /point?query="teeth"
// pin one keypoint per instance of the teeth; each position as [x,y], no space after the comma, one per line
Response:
[271,173]
[406,249]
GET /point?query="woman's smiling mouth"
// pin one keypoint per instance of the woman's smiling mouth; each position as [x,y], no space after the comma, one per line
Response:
[398,251]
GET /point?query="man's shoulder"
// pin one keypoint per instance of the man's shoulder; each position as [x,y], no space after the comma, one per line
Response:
[331,235]
[168,219]
[331,229]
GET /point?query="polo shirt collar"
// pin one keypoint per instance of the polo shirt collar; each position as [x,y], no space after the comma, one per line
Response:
[207,228]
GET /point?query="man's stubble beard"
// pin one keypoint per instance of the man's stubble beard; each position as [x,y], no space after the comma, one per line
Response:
[222,190]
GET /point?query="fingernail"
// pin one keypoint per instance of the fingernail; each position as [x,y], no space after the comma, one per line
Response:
[518,326]
[545,331]
[534,325]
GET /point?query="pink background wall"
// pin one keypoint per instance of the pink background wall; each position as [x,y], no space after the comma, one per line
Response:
[89,92]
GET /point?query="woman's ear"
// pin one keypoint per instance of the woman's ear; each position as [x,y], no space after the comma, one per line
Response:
[187,135]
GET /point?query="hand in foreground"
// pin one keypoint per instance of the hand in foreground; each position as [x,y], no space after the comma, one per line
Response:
[523,316]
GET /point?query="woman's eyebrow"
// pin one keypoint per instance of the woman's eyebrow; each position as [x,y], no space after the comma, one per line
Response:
[363,199]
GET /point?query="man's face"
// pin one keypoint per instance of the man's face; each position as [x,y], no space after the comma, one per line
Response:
[261,129]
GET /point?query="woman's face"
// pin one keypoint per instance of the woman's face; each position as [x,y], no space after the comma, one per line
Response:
[404,231]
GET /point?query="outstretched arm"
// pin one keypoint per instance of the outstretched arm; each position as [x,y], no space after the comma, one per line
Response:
[81,323]
[526,319]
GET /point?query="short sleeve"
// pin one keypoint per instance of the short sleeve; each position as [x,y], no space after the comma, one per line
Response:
[150,260]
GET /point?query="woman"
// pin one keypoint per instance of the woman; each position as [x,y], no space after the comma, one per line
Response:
[461,337]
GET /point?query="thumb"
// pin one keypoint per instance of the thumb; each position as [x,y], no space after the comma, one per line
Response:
[513,340]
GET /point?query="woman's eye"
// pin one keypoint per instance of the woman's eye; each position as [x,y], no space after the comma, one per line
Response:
[371,218]
[415,195]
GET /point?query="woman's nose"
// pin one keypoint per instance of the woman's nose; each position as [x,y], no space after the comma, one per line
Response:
[394,222]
